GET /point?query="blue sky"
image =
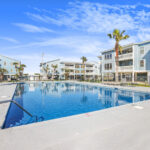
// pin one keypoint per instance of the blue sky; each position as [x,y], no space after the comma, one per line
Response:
[68,29]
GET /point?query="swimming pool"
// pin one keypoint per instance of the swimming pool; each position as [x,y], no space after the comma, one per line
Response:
[51,100]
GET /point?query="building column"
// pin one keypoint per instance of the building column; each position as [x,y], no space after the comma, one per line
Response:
[132,76]
[135,76]
[120,76]
[102,76]
[148,76]
[74,71]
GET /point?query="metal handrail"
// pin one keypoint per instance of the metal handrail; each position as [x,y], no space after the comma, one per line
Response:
[7,101]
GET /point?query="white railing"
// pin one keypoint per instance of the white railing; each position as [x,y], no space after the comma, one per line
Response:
[69,67]
[125,68]
[125,56]
[89,68]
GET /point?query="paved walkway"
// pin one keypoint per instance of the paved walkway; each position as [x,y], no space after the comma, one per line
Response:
[122,128]
[6,93]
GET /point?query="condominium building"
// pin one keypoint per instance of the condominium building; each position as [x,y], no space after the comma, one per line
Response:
[71,70]
[8,64]
[134,63]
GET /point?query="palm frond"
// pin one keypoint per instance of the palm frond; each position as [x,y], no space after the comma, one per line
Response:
[110,36]
[126,37]
[122,32]
[84,59]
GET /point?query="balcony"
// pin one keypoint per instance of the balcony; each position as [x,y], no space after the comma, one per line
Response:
[69,67]
[125,68]
[126,56]
[89,68]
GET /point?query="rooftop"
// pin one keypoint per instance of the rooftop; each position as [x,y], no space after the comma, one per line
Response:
[69,62]
[127,46]
[10,58]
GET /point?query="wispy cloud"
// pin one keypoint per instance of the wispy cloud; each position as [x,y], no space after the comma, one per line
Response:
[9,39]
[98,18]
[32,28]
[71,44]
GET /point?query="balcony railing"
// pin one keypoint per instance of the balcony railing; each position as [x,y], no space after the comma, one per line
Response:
[69,67]
[89,68]
[125,68]
[126,56]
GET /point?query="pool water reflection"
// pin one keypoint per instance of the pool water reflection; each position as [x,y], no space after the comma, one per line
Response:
[51,100]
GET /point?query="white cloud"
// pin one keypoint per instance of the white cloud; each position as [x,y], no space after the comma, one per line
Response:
[87,45]
[9,39]
[32,28]
[98,18]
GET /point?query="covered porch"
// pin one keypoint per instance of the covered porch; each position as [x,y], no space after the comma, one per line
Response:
[133,77]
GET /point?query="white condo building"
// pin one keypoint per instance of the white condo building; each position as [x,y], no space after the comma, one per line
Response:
[134,63]
[75,70]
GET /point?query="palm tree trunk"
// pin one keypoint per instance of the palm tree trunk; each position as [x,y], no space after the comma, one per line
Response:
[1,77]
[117,61]
[84,72]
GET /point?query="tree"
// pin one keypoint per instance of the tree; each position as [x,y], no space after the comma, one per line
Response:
[118,36]
[2,72]
[21,69]
[84,59]
[54,70]
[46,69]
[67,72]
[16,67]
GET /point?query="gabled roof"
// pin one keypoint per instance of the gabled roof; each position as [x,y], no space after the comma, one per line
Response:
[10,58]
[124,46]
[142,43]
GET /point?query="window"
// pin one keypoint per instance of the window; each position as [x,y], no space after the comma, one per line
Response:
[108,66]
[126,63]
[5,63]
[141,50]
[108,56]
[142,63]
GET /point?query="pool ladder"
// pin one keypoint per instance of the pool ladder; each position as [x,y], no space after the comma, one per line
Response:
[7,101]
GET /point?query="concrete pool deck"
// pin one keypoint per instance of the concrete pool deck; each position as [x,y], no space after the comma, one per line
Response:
[6,93]
[125,127]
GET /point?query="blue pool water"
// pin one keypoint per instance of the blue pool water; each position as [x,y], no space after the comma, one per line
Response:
[46,101]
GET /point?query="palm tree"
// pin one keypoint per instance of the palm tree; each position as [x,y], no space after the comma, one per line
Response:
[67,72]
[84,59]
[118,36]
[46,69]
[21,69]
[16,66]
[2,72]
[54,70]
